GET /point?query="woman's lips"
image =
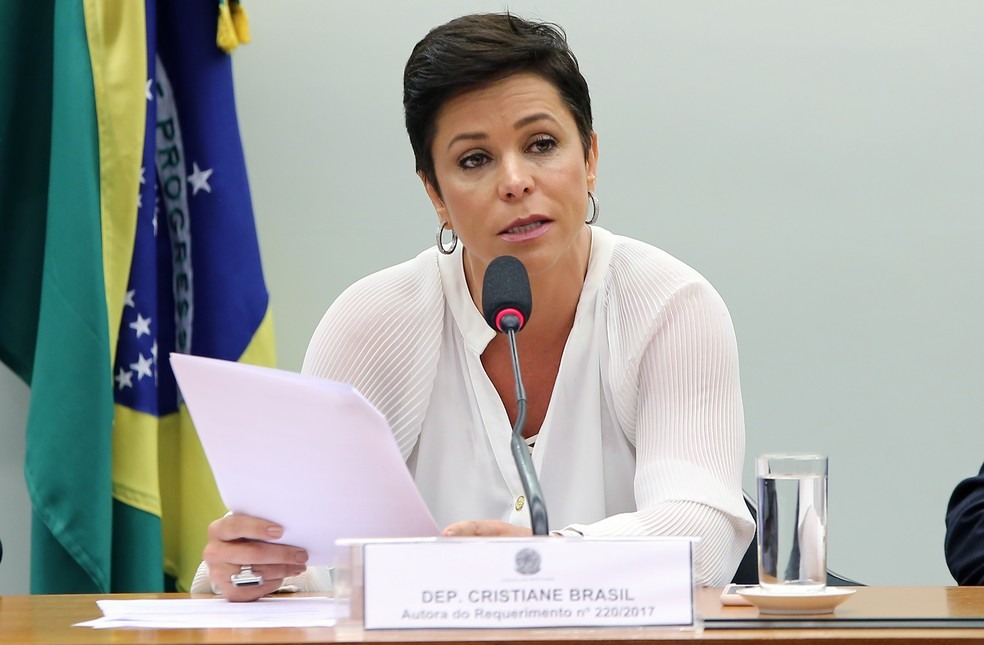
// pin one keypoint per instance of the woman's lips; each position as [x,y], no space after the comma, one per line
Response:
[526,231]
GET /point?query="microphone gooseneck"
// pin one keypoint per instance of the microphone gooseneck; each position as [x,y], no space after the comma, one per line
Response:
[507,303]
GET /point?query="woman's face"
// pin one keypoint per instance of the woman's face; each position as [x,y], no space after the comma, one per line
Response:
[514,178]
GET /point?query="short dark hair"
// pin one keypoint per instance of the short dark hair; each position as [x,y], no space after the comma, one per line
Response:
[479,49]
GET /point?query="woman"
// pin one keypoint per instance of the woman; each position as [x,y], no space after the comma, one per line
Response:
[629,359]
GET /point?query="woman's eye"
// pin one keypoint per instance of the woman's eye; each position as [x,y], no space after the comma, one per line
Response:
[473,160]
[543,143]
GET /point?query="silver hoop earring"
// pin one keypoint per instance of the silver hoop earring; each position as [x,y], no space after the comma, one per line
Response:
[446,250]
[594,209]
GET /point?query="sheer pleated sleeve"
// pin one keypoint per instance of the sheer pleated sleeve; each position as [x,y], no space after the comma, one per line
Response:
[676,393]
[382,335]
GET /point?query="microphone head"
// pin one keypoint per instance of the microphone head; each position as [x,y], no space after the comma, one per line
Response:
[506,298]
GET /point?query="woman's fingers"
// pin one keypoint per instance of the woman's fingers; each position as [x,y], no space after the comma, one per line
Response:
[485,528]
[237,527]
[236,541]
[241,552]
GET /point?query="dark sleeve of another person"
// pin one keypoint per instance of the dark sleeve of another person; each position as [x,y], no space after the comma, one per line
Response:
[964,544]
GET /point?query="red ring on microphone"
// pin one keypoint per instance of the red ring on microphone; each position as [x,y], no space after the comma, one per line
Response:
[509,311]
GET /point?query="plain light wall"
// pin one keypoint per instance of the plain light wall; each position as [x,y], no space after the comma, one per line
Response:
[820,163]
[15,510]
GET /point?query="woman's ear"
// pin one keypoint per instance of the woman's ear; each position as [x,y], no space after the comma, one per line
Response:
[591,163]
[435,196]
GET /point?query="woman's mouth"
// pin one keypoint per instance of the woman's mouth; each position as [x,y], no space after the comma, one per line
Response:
[523,229]
[527,231]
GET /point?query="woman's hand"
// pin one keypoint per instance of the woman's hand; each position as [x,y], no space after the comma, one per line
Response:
[485,528]
[234,541]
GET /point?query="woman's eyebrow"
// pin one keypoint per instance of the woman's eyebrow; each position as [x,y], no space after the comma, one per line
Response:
[539,116]
[467,136]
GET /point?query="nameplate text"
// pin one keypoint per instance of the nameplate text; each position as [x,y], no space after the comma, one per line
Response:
[528,582]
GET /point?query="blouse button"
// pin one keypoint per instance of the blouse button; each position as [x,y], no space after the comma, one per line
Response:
[520,501]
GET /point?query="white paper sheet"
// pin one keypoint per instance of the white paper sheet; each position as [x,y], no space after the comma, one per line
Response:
[185,613]
[310,454]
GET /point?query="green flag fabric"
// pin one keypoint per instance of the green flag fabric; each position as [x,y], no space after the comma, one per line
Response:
[25,137]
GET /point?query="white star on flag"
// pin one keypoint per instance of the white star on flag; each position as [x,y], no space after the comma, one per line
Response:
[129,298]
[124,379]
[141,325]
[199,179]
[148,93]
[143,178]
[142,367]
[153,352]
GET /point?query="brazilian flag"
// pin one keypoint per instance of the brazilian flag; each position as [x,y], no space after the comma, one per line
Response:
[126,233]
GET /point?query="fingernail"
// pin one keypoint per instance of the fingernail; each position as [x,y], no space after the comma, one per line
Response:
[275,531]
[450,533]
[301,556]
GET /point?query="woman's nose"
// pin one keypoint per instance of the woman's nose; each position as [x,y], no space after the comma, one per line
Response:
[516,179]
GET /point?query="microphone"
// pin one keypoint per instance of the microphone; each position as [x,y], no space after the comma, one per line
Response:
[507,303]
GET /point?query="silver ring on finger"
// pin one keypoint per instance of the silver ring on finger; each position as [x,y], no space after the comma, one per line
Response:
[246,577]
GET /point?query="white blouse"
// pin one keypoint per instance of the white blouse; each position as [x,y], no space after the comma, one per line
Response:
[644,433]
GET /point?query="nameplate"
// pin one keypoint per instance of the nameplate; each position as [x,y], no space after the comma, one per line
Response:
[527,582]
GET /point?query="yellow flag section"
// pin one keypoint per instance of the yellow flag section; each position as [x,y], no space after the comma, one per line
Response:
[117,38]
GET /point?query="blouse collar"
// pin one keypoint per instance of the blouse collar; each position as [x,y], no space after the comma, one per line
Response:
[471,323]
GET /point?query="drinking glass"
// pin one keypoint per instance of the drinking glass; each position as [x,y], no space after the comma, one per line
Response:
[792,522]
